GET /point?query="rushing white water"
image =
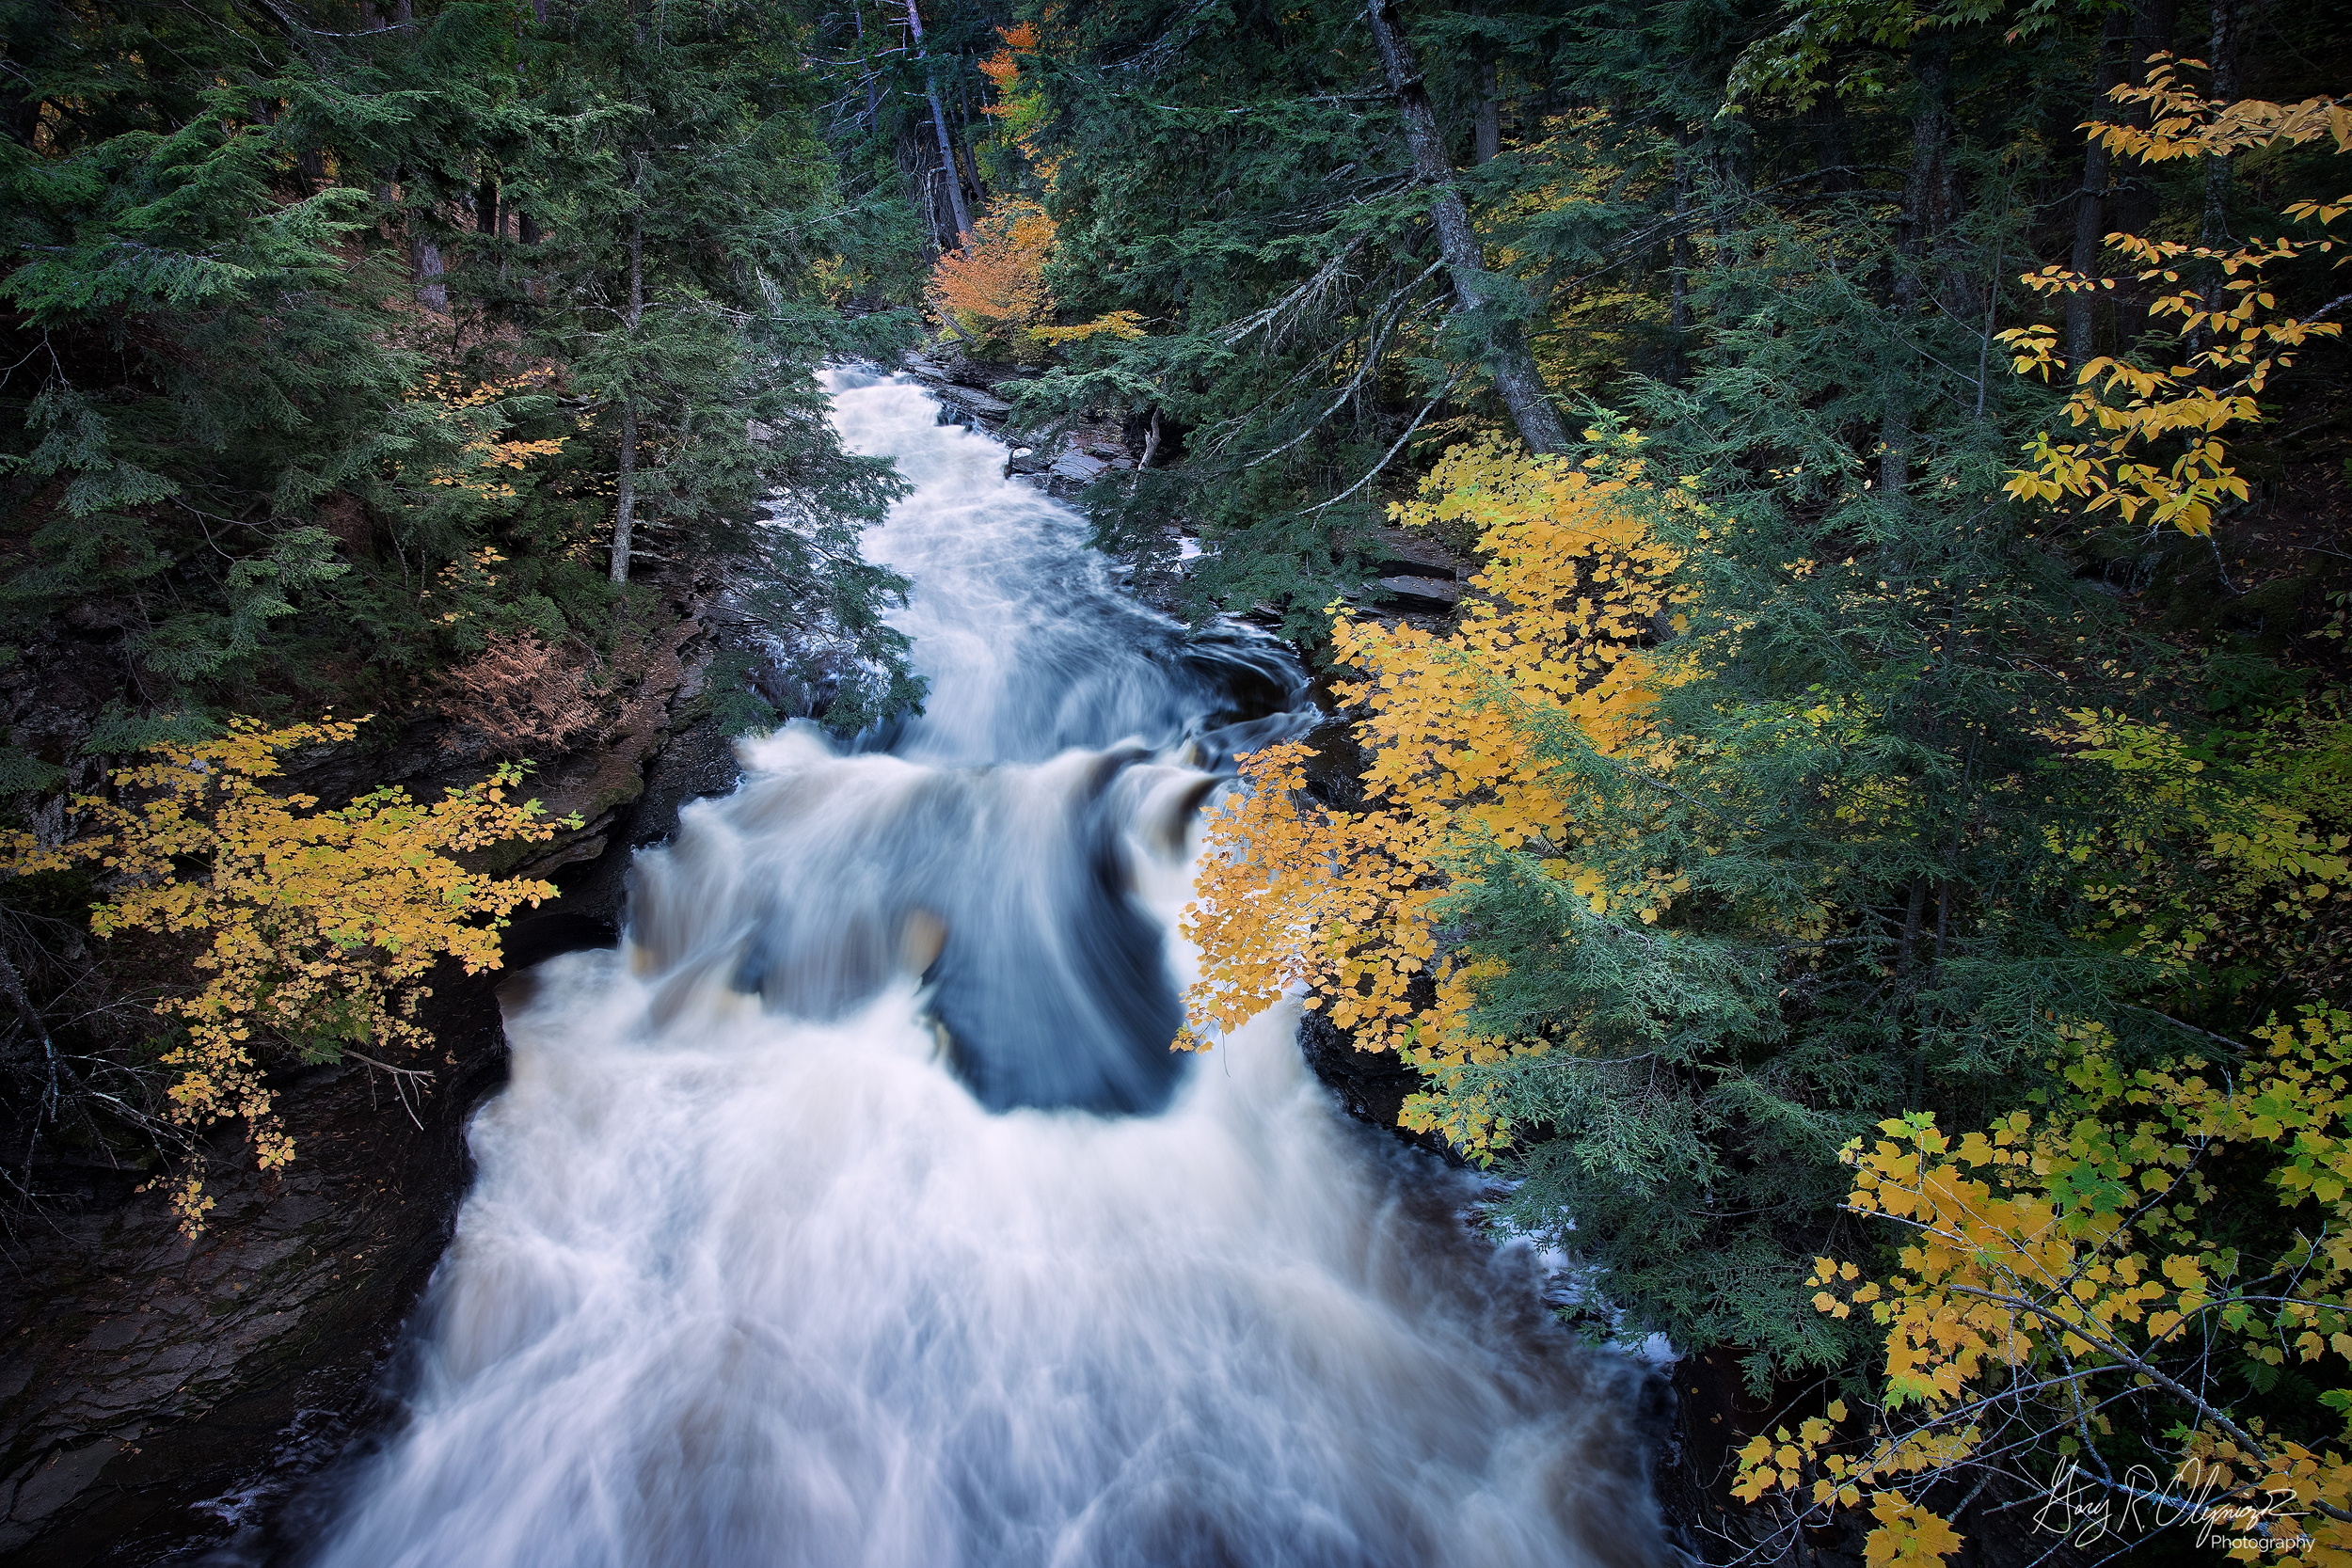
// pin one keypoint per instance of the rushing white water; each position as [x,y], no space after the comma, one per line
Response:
[817,1226]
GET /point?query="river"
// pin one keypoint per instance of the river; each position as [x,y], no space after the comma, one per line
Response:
[856,1212]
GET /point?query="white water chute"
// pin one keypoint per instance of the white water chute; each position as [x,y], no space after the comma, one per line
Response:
[782,1254]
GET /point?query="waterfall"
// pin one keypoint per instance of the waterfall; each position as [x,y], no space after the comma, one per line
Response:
[856,1212]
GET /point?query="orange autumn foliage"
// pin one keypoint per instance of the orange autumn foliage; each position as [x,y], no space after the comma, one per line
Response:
[993,292]
[1003,69]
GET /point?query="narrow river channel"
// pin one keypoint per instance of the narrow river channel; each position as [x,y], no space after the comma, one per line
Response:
[856,1212]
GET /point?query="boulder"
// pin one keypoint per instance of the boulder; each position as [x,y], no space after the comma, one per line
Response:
[1442,592]
[1077,465]
[985,405]
[1412,552]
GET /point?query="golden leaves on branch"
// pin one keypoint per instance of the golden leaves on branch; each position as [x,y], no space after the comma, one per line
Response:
[1345,905]
[2159,451]
[2184,123]
[318,924]
[2055,1264]
[457,436]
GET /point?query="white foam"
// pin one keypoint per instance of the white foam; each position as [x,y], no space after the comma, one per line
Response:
[739,1288]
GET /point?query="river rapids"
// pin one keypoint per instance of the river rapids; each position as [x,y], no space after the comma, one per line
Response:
[855,1213]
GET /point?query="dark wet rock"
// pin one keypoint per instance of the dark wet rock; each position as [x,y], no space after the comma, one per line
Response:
[922,365]
[156,1393]
[1424,593]
[1372,1086]
[150,1381]
[1077,465]
[970,401]
[1412,552]
[1336,765]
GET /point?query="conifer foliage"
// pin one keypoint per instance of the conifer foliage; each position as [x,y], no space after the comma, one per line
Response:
[284,283]
[1849,743]
[423,358]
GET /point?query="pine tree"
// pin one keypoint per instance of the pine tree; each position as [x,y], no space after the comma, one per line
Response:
[288,281]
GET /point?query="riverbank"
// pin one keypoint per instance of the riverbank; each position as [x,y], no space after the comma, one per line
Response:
[180,1394]
[157,1393]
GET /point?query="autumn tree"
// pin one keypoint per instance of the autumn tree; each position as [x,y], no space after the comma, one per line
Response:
[2183,396]
[992,293]
[314,927]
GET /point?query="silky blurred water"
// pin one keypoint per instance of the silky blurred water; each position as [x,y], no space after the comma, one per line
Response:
[855,1211]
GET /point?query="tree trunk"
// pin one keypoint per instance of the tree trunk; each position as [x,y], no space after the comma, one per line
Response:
[1836,143]
[2091,202]
[1678,282]
[527,234]
[1507,359]
[2222,56]
[873,103]
[939,217]
[1926,205]
[2223,59]
[971,155]
[2131,195]
[1486,117]
[939,121]
[625,492]
[432,287]
[625,486]
[485,205]
[947,157]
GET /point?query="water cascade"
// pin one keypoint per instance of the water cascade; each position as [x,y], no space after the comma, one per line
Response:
[856,1212]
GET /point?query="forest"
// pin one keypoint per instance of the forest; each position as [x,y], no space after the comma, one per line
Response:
[1862,860]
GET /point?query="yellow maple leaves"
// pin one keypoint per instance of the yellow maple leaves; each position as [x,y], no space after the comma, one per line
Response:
[461,433]
[317,924]
[1907,1536]
[2231,333]
[2055,1265]
[1460,728]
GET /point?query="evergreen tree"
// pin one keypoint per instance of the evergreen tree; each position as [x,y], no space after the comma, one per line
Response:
[322,323]
[1778,249]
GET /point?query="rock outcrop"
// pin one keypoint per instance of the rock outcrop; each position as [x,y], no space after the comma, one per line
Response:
[157,1393]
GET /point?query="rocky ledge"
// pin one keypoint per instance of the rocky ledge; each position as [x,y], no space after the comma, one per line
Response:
[159,1395]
